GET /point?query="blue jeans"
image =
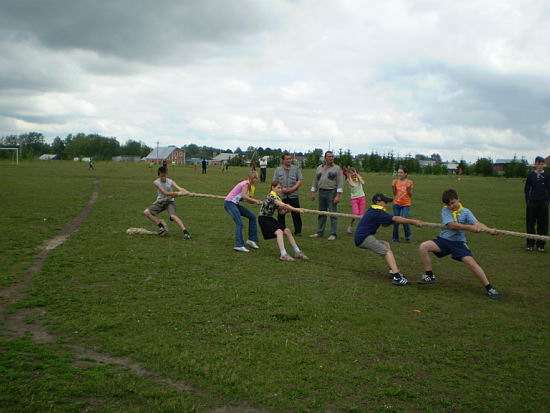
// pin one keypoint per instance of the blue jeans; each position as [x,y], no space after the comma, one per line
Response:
[236,211]
[401,211]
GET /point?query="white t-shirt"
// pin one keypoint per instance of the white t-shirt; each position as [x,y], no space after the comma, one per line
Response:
[167,186]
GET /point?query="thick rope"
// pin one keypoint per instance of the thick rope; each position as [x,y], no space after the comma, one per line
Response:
[339,214]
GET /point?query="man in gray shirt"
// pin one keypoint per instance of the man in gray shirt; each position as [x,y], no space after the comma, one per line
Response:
[329,182]
[290,177]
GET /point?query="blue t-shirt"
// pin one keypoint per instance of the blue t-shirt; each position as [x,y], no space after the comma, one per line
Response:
[464,217]
[370,222]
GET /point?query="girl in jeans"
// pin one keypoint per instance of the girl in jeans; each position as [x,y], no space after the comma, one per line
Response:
[243,191]
[402,193]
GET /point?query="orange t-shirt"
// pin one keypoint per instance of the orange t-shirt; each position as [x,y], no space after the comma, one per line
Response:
[401,196]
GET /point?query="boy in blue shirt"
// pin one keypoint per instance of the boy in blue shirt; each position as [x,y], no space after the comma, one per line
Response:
[452,240]
[375,216]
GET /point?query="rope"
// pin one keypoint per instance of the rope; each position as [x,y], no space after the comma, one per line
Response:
[339,214]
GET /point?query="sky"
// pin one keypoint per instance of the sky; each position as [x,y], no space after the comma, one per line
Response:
[465,79]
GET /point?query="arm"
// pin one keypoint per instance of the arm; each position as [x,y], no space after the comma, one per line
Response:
[393,188]
[165,192]
[410,190]
[477,227]
[314,185]
[401,220]
[180,189]
[288,207]
[349,180]
[340,189]
[527,187]
[247,198]
[361,179]
[292,188]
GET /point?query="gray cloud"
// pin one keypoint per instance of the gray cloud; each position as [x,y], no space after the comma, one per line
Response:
[139,30]
[475,97]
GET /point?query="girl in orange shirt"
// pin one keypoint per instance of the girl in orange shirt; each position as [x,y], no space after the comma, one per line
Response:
[402,194]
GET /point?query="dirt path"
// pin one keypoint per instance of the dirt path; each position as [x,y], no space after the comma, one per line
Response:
[16,324]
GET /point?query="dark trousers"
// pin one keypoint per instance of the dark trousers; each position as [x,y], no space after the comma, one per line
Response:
[204,169]
[537,216]
[296,217]
[263,173]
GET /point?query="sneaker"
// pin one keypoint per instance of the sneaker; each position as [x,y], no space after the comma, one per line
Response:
[426,279]
[241,249]
[252,244]
[187,236]
[315,236]
[301,256]
[331,237]
[349,230]
[162,231]
[394,240]
[493,293]
[286,258]
[298,234]
[529,248]
[540,249]
[400,280]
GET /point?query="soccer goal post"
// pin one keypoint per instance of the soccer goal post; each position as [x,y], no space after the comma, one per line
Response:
[16,153]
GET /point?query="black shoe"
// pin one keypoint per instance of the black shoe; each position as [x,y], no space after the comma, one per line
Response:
[162,230]
[540,249]
[298,234]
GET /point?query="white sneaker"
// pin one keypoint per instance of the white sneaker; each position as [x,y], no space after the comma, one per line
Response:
[241,249]
[350,230]
[252,244]
[331,238]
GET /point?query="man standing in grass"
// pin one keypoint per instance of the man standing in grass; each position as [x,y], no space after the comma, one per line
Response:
[375,216]
[329,182]
[166,202]
[537,196]
[452,240]
[291,178]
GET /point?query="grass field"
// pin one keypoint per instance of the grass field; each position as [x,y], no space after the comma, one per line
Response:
[248,331]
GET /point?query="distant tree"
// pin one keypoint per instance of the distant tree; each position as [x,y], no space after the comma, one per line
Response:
[483,166]
[313,158]
[436,157]
[516,168]
[96,146]
[344,159]
[58,146]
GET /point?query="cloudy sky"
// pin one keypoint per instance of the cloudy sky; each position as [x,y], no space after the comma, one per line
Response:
[462,78]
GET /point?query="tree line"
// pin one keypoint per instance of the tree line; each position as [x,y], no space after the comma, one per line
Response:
[33,144]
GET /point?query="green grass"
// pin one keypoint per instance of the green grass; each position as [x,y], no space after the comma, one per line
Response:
[328,334]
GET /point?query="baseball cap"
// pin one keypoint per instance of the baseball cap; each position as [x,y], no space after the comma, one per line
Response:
[539,159]
[381,197]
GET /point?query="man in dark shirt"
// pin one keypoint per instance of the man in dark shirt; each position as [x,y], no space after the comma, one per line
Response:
[375,216]
[537,196]
[204,163]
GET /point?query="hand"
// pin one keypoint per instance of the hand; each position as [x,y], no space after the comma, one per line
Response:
[301,210]
[313,196]
[258,201]
[493,231]
[336,198]
[418,223]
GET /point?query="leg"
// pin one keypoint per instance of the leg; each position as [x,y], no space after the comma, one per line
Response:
[332,207]
[280,239]
[323,206]
[296,216]
[252,226]
[424,250]
[405,214]
[178,222]
[291,239]
[396,212]
[390,259]
[150,216]
[542,222]
[234,213]
[530,218]
[476,269]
